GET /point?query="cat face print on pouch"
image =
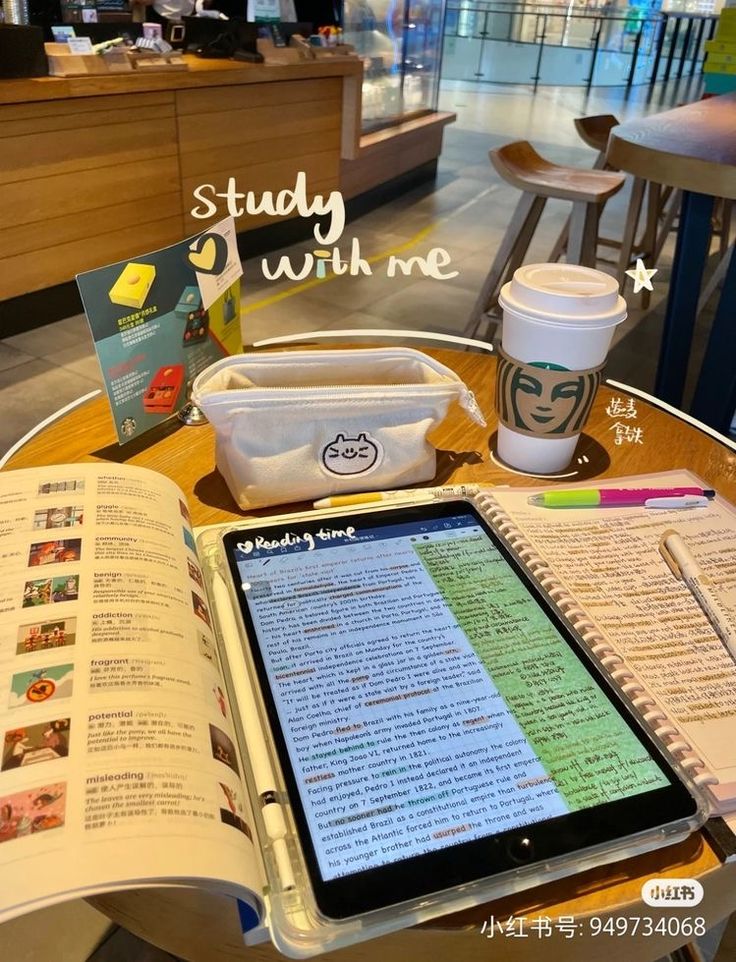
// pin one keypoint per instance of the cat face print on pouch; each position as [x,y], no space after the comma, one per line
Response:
[346,456]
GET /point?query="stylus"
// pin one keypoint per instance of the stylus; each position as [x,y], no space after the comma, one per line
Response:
[410,494]
[271,811]
[683,565]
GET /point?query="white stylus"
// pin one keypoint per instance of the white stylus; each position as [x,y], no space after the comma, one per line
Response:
[682,564]
[273,815]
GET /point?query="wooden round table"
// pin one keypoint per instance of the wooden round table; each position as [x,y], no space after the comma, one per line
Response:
[692,148]
[204,928]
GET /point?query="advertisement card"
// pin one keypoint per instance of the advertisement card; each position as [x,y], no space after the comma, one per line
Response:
[159,319]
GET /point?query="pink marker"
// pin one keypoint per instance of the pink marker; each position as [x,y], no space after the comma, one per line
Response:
[612,497]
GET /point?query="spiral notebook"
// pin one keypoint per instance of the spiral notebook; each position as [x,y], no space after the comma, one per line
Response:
[603,569]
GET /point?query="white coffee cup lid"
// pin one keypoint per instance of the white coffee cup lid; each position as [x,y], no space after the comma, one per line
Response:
[564,293]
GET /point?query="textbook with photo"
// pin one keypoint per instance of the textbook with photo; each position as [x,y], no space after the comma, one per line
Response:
[124,759]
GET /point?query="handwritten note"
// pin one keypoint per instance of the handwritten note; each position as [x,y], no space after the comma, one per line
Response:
[610,563]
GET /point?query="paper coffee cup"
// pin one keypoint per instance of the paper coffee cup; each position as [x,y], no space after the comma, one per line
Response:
[558,321]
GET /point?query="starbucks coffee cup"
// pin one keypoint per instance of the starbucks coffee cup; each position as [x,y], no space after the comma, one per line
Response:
[558,321]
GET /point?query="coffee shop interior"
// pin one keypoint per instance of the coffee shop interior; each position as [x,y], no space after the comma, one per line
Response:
[474,136]
[442,85]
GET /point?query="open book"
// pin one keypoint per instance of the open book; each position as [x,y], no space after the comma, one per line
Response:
[119,766]
[604,570]
[121,762]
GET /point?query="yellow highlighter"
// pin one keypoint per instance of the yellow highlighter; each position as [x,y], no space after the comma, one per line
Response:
[414,494]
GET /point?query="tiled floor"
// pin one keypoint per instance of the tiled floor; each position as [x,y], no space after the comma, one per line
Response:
[465,212]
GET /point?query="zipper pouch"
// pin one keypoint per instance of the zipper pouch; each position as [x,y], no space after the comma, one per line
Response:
[299,425]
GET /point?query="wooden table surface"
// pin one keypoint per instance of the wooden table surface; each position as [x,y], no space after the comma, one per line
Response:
[203,928]
[691,147]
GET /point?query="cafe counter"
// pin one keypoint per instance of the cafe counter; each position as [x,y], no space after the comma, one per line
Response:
[95,169]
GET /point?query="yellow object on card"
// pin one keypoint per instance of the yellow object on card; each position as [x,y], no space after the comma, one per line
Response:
[720,46]
[132,287]
[723,68]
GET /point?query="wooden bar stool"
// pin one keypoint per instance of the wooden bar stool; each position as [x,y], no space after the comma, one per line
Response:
[594,132]
[520,165]
[661,205]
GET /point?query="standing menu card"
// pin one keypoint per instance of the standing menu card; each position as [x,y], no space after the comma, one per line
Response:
[159,319]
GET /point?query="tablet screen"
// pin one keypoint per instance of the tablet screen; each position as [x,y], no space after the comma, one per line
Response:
[425,696]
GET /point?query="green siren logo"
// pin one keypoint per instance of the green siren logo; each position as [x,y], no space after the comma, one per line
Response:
[541,398]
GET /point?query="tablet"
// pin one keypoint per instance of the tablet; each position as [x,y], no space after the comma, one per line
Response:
[436,721]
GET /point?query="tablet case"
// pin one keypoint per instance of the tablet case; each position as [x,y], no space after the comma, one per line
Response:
[294,922]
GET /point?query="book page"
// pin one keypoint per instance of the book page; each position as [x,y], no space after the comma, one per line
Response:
[609,560]
[118,763]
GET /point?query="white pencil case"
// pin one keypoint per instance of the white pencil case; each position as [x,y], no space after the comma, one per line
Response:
[298,425]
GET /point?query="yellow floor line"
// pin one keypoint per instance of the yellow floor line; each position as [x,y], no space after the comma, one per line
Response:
[316,281]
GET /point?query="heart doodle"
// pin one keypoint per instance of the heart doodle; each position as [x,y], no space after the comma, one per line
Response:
[208,254]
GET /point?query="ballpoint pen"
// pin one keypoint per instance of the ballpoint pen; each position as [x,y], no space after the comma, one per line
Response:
[684,566]
[271,811]
[613,497]
[411,494]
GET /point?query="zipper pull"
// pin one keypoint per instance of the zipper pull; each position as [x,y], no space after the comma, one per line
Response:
[470,406]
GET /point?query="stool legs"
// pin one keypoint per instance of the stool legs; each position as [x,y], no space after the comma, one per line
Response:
[510,254]
[561,243]
[667,224]
[581,246]
[648,241]
[632,221]
[716,279]
[579,238]
[649,247]
[722,225]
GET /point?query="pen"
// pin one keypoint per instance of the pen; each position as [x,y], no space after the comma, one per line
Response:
[368,497]
[682,564]
[612,497]
[273,815]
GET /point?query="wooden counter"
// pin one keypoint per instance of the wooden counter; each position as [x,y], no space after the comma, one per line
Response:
[97,169]
[211,73]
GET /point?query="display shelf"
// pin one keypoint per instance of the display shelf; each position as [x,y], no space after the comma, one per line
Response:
[400,42]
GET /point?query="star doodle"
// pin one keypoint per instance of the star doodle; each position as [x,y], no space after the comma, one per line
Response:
[642,276]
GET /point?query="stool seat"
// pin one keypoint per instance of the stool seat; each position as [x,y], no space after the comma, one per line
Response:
[520,165]
[594,130]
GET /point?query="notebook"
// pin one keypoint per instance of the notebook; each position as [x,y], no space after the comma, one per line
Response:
[603,569]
